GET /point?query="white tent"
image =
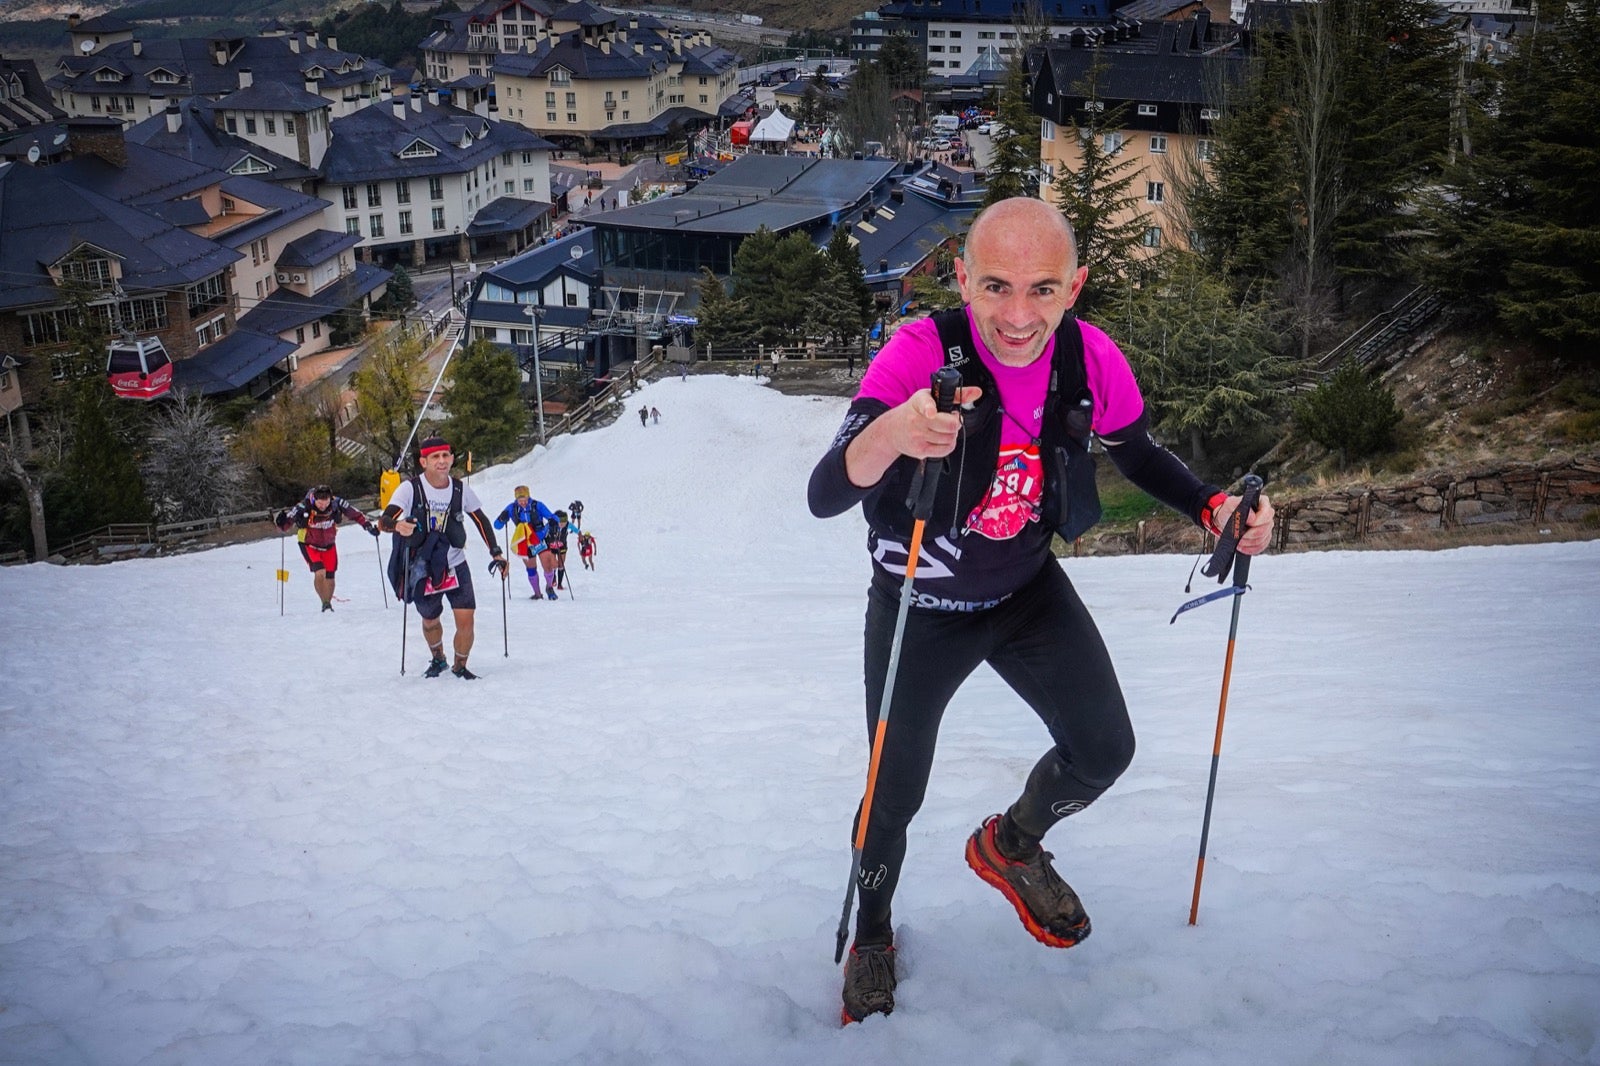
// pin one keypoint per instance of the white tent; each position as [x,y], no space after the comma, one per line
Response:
[776,127]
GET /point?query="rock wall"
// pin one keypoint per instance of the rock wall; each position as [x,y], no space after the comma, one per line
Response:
[1554,490]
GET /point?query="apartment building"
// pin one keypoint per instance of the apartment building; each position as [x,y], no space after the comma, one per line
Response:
[583,76]
[417,179]
[115,74]
[1165,78]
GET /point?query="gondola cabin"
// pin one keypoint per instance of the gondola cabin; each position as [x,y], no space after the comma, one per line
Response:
[139,369]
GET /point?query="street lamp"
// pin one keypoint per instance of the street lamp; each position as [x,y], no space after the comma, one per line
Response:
[533,311]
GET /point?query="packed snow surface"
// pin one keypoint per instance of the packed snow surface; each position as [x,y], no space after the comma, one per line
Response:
[230,836]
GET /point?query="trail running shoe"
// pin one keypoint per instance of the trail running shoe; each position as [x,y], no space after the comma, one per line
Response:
[550,594]
[463,673]
[327,607]
[435,668]
[869,982]
[1048,907]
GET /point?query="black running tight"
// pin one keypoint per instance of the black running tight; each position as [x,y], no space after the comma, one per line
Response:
[1042,643]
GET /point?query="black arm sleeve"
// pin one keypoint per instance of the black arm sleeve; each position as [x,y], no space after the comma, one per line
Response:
[830,491]
[481,520]
[1157,471]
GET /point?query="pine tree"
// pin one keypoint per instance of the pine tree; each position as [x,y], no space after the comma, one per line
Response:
[98,482]
[1518,225]
[1096,197]
[1013,168]
[1242,208]
[486,412]
[1206,361]
[721,322]
[1350,413]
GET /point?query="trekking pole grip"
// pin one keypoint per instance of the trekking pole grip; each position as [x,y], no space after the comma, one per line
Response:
[1250,495]
[943,386]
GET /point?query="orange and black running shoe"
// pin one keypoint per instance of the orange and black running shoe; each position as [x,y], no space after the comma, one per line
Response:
[1048,907]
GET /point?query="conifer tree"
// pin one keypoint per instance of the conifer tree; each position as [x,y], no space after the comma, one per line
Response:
[1518,224]
[1096,197]
[486,412]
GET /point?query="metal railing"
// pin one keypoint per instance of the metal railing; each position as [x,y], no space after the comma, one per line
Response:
[1378,335]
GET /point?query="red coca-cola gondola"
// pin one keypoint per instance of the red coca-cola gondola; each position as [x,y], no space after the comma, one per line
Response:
[139,369]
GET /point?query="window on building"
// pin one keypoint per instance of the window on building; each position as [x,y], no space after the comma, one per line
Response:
[1047,130]
[374,194]
[316,328]
[1158,143]
[572,117]
[438,218]
[91,270]
[1155,192]
[376,222]
[572,99]
[1152,237]
[1202,150]
[1147,109]
[527,185]
[1209,113]
[549,116]
[249,125]
[352,224]
[349,197]
[204,295]
[405,222]
[436,188]
[1112,143]
[288,124]
[402,191]
[230,123]
[549,99]
[300,335]
[272,127]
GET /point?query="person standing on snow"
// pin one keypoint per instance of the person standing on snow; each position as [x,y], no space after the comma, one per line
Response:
[1035,382]
[317,516]
[655,416]
[527,517]
[428,514]
[644,416]
[556,532]
[587,549]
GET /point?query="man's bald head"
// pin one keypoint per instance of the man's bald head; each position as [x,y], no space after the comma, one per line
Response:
[1020,218]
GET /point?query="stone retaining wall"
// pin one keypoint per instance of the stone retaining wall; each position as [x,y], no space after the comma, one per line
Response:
[1554,490]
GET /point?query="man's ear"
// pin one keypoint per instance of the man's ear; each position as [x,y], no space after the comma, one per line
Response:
[1077,285]
[961,279]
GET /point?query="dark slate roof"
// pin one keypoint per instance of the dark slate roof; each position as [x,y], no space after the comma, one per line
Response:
[44,215]
[533,267]
[905,233]
[200,140]
[782,193]
[273,96]
[286,309]
[583,13]
[51,141]
[660,126]
[192,60]
[583,60]
[26,103]
[995,10]
[1141,70]
[149,180]
[230,364]
[707,59]
[367,145]
[506,214]
[102,24]
[280,206]
[315,248]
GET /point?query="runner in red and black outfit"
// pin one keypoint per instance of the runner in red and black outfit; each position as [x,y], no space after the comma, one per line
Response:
[317,517]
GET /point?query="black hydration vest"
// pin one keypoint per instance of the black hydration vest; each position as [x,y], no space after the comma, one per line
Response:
[1070,501]
[455,525]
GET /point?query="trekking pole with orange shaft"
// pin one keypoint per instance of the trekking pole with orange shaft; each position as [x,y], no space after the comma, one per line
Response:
[944,384]
[1241,573]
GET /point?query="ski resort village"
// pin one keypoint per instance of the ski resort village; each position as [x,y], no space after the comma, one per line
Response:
[966,531]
